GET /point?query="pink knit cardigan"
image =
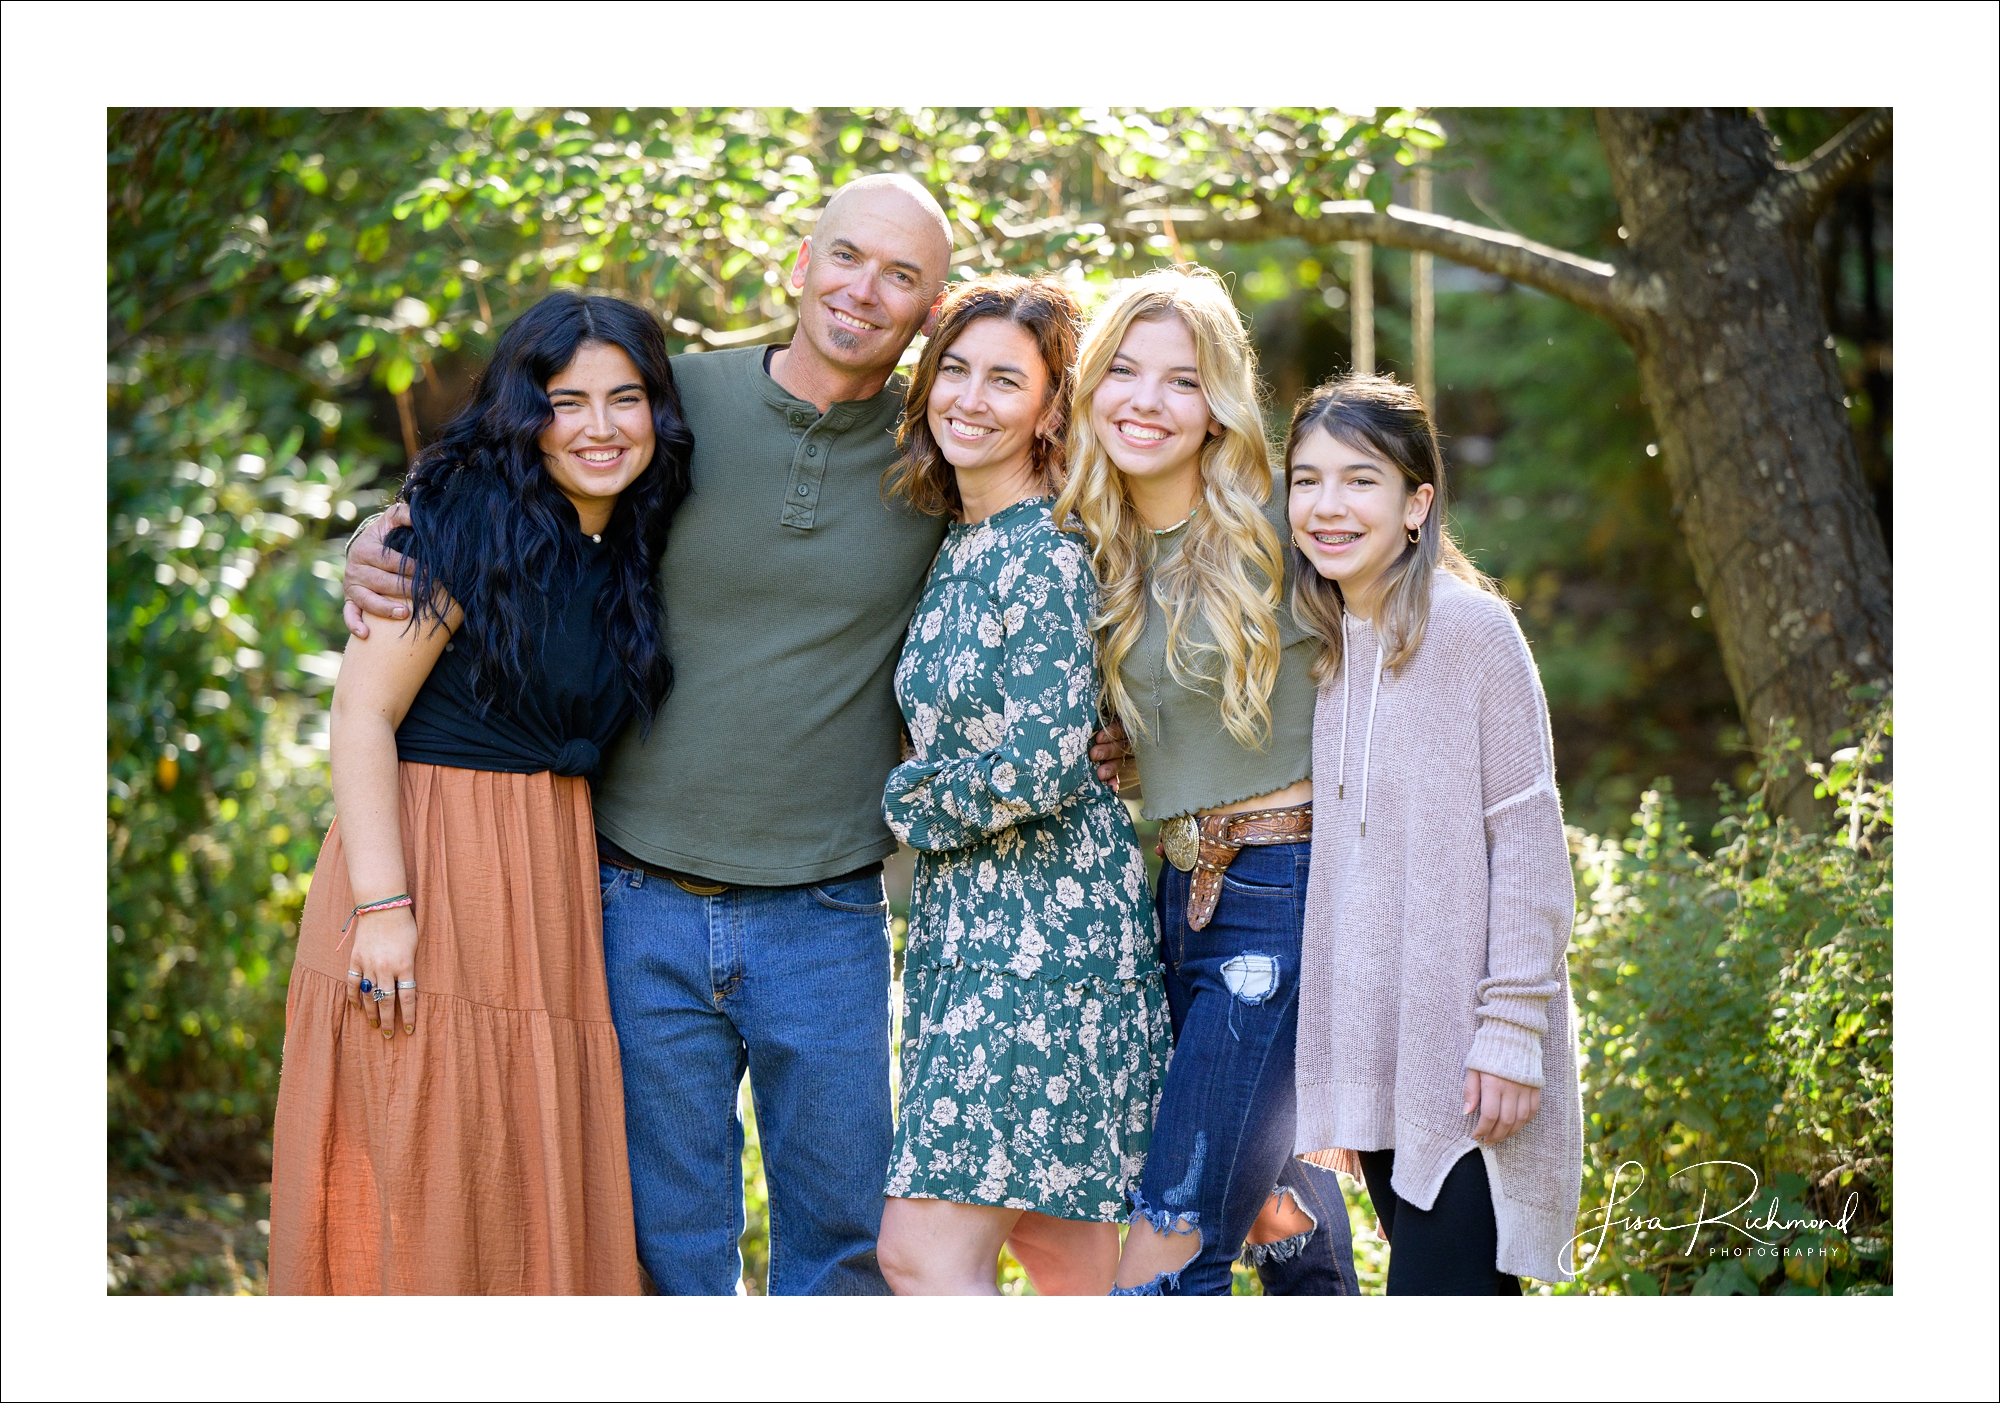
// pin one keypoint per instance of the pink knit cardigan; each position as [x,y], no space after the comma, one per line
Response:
[1435,940]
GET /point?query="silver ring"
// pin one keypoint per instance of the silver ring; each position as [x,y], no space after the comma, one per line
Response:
[354,974]
[406,983]
[378,993]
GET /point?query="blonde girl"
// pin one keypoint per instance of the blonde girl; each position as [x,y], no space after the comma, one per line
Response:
[1170,485]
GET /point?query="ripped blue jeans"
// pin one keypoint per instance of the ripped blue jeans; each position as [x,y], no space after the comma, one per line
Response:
[1223,1139]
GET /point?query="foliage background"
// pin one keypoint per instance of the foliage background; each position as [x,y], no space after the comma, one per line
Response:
[295,296]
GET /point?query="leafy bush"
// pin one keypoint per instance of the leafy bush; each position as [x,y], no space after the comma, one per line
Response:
[229,464]
[1736,1006]
[217,779]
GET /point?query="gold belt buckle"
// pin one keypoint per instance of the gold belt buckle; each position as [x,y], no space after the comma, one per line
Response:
[694,888]
[1181,838]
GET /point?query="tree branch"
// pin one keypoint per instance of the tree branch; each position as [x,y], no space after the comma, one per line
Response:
[1809,186]
[1584,282]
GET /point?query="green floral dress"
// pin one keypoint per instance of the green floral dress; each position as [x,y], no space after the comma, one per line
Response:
[1035,1026]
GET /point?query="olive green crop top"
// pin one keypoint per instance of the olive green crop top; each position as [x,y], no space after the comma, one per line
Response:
[1187,760]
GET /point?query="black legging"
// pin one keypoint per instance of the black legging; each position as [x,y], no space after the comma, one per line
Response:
[1447,1250]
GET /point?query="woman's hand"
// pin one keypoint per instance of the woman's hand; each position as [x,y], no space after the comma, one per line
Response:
[376,579]
[385,954]
[379,677]
[1503,1106]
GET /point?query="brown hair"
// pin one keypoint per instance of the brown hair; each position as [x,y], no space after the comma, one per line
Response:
[1042,307]
[1380,415]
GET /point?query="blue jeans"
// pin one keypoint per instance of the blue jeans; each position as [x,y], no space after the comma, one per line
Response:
[792,985]
[1223,1141]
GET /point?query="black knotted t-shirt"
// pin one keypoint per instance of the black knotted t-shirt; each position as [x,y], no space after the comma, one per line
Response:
[564,715]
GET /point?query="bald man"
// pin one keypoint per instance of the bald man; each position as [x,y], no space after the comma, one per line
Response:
[745,920]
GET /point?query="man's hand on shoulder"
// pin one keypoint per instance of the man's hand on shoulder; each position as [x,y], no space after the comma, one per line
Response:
[376,580]
[1109,748]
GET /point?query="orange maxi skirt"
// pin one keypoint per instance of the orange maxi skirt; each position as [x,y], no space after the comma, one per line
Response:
[486,1154]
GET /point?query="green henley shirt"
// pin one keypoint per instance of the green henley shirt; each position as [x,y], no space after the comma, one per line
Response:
[788,584]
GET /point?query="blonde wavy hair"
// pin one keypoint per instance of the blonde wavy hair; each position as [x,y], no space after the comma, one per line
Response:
[1230,568]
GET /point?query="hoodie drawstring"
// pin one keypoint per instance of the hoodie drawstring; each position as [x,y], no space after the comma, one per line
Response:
[1368,736]
[1346,671]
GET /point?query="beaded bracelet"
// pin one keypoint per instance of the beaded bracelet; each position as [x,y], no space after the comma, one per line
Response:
[386,904]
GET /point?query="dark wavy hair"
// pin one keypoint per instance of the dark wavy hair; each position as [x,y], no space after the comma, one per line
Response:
[1043,308]
[494,533]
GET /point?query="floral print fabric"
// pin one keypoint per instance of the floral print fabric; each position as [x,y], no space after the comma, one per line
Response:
[1035,1026]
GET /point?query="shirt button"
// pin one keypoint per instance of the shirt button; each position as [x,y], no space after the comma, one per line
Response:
[812,450]
[802,489]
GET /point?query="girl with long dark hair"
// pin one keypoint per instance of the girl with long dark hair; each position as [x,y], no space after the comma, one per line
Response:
[1435,1034]
[450,1117]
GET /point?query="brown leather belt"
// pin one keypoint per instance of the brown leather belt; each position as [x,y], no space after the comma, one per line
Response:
[1205,844]
[703,886]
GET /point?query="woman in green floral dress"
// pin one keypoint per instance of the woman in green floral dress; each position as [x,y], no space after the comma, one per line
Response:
[1035,1025]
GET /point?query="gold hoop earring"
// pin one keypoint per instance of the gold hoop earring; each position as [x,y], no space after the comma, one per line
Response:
[1416,535]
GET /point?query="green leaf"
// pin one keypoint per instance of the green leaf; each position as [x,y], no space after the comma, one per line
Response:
[398,374]
[1724,1279]
[1807,1267]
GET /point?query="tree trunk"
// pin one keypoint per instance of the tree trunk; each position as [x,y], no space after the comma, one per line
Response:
[1736,360]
